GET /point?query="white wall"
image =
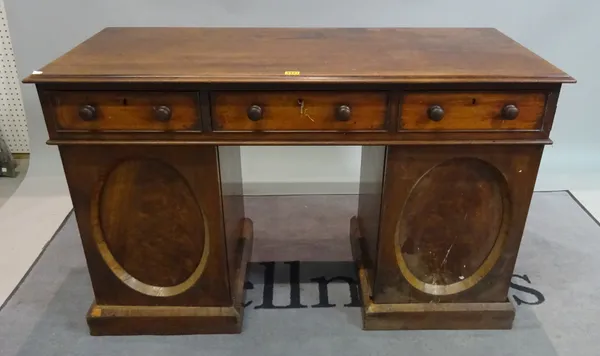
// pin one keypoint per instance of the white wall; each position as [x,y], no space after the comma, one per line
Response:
[565,33]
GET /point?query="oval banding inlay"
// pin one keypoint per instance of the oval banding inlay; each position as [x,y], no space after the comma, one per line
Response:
[149,228]
[452,227]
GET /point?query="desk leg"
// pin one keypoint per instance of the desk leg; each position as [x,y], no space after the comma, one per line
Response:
[438,231]
[164,235]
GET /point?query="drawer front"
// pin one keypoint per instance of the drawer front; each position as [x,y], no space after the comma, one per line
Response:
[472,111]
[126,111]
[299,111]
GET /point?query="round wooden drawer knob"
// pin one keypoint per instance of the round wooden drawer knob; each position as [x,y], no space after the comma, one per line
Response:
[510,112]
[343,113]
[255,112]
[87,113]
[162,113]
[435,113]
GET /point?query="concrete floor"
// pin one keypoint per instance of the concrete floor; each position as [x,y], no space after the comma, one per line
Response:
[9,185]
[590,200]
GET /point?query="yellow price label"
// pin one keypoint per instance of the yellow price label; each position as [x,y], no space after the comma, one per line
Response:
[292,72]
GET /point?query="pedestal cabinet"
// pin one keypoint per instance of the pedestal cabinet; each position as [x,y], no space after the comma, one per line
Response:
[164,238]
[440,248]
[149,124]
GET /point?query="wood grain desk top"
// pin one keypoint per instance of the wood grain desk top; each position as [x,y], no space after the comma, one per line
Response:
[286,55]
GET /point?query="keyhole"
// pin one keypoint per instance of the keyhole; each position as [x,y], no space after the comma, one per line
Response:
[474,101]
[125,101]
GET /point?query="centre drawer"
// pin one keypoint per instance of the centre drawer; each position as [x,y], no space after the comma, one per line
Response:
[299,111]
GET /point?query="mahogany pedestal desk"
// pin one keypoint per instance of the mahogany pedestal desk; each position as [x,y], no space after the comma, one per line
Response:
[149,123]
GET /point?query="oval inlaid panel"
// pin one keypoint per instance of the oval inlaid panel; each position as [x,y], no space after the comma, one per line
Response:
[151,223]
[450,224]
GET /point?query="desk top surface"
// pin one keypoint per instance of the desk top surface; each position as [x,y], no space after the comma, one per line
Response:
[291,55]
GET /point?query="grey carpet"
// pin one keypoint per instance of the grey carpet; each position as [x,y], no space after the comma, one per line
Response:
[555,289]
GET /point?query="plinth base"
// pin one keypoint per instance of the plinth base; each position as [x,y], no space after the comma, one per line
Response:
[178,320]
[421,316]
